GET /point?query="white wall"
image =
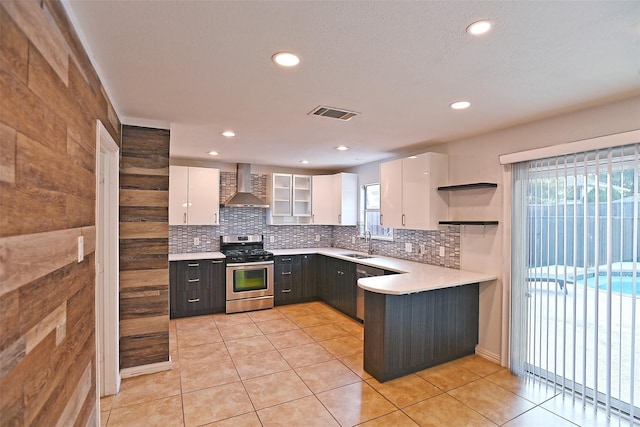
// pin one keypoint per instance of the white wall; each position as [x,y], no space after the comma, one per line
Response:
[476,160]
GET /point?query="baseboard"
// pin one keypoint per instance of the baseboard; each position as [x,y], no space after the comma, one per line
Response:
[145,369]
[492,357]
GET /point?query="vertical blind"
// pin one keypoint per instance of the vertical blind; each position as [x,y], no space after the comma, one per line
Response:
[574,302]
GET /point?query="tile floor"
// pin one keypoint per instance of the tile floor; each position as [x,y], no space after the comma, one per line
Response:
[301,365]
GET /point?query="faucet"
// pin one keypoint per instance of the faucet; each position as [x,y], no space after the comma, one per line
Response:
[367,238]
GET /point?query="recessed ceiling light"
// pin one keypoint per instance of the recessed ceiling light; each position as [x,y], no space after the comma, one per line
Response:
[286,59]
[479,27]
[460,105]
[304,162]
[342,148]
[229,133]
[213,153]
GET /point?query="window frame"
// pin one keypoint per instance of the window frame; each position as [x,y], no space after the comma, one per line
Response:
[362,212]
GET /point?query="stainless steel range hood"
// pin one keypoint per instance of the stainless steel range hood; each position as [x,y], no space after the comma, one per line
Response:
[243,197]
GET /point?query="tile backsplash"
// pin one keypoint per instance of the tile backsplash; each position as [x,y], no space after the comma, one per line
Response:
[241,221]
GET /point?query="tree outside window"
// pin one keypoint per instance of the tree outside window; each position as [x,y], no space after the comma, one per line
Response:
[370,213]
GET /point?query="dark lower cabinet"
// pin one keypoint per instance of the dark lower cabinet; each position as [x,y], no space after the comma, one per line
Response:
[309,267]
[294,279]
[287,279]
[196,287]
[416,331]
[338,284]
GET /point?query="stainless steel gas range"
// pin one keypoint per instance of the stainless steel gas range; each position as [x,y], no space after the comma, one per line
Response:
[249,273]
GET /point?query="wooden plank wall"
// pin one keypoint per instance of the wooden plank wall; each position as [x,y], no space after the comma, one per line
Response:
[144,247]
[50,98]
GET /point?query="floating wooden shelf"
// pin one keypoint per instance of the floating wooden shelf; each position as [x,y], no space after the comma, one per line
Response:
[468,186]
[468,222]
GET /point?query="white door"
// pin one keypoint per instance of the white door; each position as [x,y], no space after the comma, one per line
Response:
[107,269]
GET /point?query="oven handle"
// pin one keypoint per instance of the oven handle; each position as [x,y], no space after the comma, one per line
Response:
[250,264]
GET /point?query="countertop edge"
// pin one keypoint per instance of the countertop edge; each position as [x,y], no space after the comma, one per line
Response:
[412,277]
[195,256]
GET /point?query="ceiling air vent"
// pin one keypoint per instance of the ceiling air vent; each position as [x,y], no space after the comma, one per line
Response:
[334,113]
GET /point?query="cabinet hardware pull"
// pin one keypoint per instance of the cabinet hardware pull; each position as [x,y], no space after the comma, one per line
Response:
[403,222]
[197,264]
[194,300]
[339,218]
[286,259]
[285,291]
[184,218]
[215,218]
[381,219]
[313,219]
[193,280]
[217,262]
[286,273]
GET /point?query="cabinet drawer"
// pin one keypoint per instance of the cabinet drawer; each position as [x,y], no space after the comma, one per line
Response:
[287,259]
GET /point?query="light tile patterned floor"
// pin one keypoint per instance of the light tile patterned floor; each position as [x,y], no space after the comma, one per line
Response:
[301,365]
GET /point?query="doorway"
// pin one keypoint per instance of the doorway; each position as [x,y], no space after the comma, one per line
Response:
[107,268]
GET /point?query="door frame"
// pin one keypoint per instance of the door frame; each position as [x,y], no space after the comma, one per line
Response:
[107,264]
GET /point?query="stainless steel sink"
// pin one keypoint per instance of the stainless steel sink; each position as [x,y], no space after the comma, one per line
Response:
[357,256]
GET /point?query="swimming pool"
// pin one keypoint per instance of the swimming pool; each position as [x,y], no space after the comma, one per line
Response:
[619,282]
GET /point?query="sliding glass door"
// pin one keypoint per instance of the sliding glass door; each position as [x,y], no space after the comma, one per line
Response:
[575,283]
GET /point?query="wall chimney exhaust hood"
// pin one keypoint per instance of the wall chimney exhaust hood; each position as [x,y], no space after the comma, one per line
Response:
[243,197]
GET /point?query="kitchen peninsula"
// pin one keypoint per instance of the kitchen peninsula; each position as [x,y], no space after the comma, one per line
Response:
[424,316]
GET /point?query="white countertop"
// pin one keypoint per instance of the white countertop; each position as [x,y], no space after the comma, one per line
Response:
[414,276]
[196,255]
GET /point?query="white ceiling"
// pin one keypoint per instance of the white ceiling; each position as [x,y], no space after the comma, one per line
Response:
[205,66]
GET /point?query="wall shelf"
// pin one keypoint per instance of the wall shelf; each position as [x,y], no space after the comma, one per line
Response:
[468,222]
[468,186]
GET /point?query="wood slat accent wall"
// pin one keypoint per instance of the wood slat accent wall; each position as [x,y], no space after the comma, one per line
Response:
[144,247]
[50,99]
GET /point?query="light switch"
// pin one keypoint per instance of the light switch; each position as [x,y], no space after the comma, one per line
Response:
[80,248]
[441,250]
[408,247]
[196,241]
[317,237]
[272,239]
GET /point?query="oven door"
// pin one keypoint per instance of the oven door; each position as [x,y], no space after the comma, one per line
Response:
[249,280]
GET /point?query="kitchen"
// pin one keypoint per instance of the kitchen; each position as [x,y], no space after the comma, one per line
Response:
[54,97]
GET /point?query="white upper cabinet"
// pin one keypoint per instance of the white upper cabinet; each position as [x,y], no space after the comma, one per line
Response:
[301,205]
[194,196]
[281,194]
[323,200]
[409,195]
[335,199]
[178,194]
[290,199]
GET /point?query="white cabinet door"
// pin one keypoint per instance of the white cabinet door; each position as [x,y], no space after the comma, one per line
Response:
[178,196]
[204,196]
[194,196]
[391,194]
[409,195]
[301,195]
[415,198]
[335,199]
[281,197]
[323,200]
[346,192]
[423,205]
